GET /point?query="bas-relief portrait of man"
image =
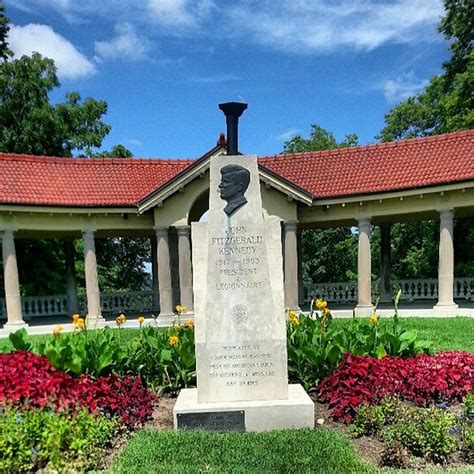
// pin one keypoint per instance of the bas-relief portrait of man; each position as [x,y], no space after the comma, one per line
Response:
[235,180]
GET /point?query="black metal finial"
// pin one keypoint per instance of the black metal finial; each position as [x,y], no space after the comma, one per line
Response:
[232,112]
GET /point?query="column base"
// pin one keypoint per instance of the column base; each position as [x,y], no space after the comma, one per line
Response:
[95,322]
[259,415]
[443,309]
[13,327]
[362,310]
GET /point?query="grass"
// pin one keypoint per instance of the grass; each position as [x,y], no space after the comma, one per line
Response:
[290,451]
[446,333]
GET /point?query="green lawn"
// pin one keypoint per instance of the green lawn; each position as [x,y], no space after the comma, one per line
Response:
[291,451]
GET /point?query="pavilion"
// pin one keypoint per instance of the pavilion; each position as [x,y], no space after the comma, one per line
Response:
[84,198]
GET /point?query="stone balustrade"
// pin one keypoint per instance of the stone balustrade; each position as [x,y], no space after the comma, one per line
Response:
[412,290]
[57,305]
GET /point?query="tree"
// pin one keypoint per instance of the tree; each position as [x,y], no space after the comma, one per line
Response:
[117,151]
[447,103]
[5,51]
[30,124]
[320,139]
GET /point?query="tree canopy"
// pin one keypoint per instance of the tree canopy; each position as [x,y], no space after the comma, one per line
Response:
[447,103]
[29,123]
[320,139]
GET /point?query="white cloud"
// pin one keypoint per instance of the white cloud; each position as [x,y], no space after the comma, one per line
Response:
[301,26]
[309,26]
[288,134]
[180,13]
[217,79]
[70,62]
[135,142]
[402,87]
[125,45]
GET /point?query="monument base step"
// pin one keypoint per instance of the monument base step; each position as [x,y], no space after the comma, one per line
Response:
[253,415]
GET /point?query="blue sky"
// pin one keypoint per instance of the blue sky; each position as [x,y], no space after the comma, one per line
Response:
[164,65]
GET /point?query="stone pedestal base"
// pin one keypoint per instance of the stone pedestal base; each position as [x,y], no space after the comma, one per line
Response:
[13,327]
[363,310]
[261,415]
[446,309]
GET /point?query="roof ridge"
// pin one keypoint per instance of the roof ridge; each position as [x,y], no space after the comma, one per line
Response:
[91,160]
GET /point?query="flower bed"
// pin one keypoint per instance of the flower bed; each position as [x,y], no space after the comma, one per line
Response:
[29,379]
[423,379]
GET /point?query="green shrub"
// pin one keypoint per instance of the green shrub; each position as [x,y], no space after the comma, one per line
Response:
[369,420]
[34,439]
[467,429]
[424,432]
[467,443]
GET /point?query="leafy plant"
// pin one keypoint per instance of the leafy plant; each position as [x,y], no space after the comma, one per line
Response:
[316,346]
[369,420]
[423,379]
[36,439]
[424,432]
[29,379]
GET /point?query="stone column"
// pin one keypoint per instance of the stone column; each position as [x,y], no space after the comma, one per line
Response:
[291,265]
[72,301]
[385,263]
[301,295]
[364,271]
[92,282]
[164,271]
[154,273]
[12,282]
[446,262]
[185,267]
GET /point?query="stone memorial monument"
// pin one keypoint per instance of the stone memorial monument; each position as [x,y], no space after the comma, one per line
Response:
[241,357]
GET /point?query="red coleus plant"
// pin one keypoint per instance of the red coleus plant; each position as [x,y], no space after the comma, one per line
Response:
[26,378]
[423,379]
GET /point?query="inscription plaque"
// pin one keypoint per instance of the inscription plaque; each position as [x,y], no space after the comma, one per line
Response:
[212,421]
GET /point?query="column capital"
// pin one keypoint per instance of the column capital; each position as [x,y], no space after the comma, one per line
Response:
[447,212]
[363,221]
[290,225]
[183,230]
[7,231]
[161,231]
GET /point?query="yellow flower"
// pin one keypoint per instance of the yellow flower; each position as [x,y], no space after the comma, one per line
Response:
[79,323]
[121,320]
[189,324]
[176,327]
[75,317]
[318,303]
[141,320]
[173,340]
[324,304]
[374,319]
[294,318]
[180,309]
[57,330]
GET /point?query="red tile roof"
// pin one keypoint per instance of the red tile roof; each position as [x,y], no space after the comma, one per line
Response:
[73,182]
[107,182]
[407,164]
